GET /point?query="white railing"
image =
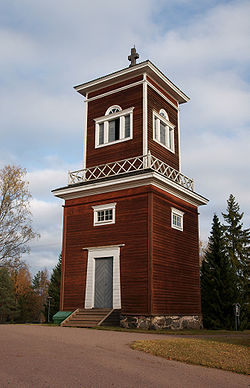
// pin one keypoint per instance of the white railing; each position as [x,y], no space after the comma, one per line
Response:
[138,163]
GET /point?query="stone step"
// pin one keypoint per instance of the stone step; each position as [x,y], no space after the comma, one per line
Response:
[90,318]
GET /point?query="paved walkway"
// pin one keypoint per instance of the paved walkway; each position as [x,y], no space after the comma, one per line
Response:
[42,356]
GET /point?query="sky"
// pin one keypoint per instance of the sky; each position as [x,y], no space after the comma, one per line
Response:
[47,47]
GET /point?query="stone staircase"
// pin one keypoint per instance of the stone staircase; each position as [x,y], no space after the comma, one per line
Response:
[92,317]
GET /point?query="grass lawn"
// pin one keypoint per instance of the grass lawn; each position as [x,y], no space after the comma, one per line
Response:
[173,332]
[232,354]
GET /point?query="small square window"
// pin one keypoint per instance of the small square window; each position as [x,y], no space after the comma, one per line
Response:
[104,214]
[177,219]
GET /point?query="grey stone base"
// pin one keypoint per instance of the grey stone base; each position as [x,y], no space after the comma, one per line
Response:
[174,322]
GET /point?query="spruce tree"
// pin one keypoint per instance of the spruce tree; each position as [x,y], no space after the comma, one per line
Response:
[217,282]
[54,288]
[238,248]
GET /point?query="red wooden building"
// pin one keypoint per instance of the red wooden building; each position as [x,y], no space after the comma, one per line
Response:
[130,232]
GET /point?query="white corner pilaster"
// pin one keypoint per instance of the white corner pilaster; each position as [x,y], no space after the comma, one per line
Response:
[85,132]
[145,116]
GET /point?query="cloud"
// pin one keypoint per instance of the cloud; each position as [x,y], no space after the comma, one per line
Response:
[47,220]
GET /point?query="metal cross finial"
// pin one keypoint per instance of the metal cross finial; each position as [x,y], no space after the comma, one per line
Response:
[133,57]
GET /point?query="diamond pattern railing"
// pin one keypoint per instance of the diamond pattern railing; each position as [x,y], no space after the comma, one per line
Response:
[129,165]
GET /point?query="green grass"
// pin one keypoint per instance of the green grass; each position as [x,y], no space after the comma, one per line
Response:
[173,332]
[231,354]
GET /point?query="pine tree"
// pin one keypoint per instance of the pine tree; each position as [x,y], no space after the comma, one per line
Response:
[217,282]
[238,248]
[54,288]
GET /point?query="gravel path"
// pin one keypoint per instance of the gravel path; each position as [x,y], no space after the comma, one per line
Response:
[43,356]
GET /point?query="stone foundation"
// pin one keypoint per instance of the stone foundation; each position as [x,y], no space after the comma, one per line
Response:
[173,322]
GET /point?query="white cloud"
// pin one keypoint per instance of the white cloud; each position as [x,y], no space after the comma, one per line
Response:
[47,220]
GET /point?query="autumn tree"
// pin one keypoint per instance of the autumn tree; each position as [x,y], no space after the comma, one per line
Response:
[15,216]
[26,301]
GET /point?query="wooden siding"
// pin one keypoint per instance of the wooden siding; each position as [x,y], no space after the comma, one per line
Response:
[128,98]
[115,86]
[130,229]
[156,102]
[176,287]
[159,265]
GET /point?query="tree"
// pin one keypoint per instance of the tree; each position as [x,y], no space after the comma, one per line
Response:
[7,296]
[54,288]
[15,216]
[21,277]
[238,248]
[40,285]
[217,282]
[26,301]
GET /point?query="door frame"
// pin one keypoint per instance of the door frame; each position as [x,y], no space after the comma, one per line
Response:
[99,252]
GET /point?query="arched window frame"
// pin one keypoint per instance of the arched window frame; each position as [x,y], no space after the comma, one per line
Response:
[113,109]
[114,127]
[163,130]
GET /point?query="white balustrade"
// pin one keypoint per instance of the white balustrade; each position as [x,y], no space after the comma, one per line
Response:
[139,163]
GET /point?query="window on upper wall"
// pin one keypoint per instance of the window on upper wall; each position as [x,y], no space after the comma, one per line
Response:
[163,130]
[104,214]
[177,219]
[114,127]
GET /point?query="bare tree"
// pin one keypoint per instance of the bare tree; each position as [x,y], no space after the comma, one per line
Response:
[15,216]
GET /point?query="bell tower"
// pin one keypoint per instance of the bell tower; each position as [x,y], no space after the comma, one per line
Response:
[130,233]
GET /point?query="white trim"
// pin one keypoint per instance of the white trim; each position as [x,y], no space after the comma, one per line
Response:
[97,208]
[85,133]
[145,116]
[179,139]
[150,178]
[95,253]
[115,90]
[168,82]
[178,213]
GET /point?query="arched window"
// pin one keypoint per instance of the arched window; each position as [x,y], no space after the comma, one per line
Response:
[113,109]
[163,130]
[164,114]
[114,127]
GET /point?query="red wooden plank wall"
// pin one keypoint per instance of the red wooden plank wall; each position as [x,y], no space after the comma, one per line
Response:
[130,229]
[176,287]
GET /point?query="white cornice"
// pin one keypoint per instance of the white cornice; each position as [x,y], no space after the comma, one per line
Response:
[121,75]
[128,182]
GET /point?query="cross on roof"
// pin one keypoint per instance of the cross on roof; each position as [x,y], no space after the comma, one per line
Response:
[133,57]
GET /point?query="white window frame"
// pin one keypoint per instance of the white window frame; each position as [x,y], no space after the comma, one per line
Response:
[169,130]
[105,120]
[98,208]
[177,213]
